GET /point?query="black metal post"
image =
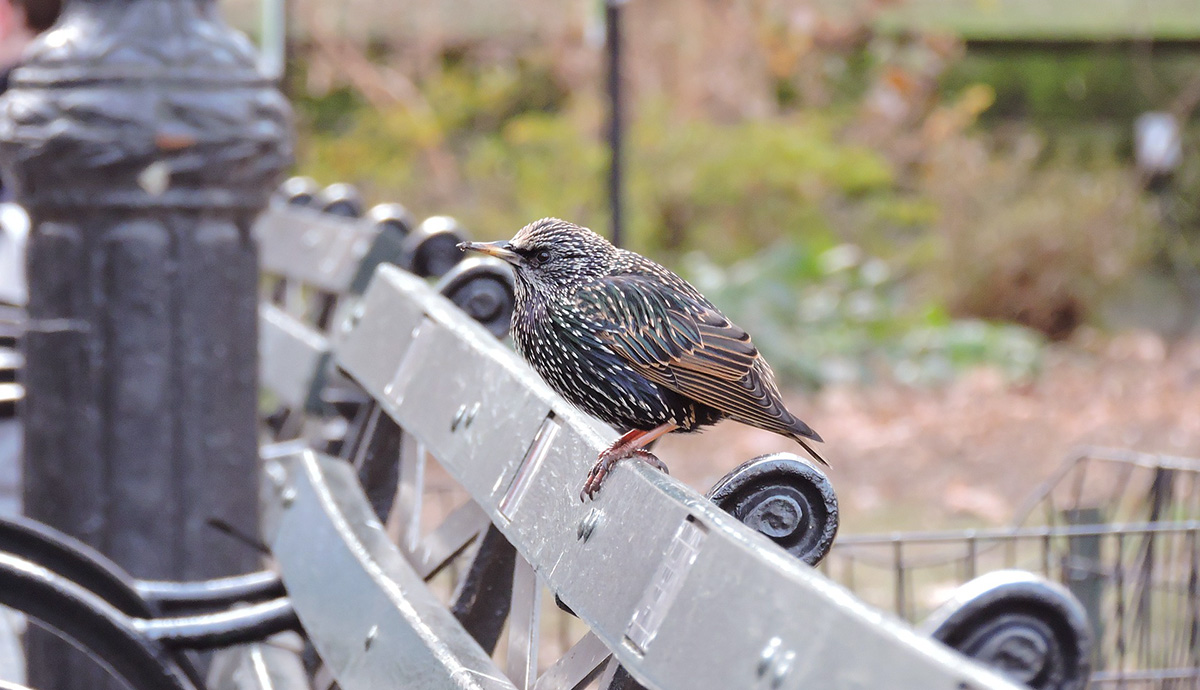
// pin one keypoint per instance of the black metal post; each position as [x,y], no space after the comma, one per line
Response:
[143,141]
[612,43]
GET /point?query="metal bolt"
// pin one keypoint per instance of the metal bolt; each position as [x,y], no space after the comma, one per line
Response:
[356,315]
[778,516]
[276,474]
[588,525]
[768,653]
[783,666]
[458,417]
[371,634]
[773,664]
[288,496]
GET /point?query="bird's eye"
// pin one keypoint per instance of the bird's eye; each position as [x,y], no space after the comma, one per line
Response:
[542,256]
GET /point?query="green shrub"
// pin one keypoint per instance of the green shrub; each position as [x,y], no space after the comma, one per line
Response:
[841,316]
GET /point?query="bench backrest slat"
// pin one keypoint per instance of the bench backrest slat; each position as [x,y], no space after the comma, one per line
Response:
[682,593]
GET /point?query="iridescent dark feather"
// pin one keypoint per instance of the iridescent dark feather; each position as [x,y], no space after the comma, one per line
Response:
[675,337]
[630,342]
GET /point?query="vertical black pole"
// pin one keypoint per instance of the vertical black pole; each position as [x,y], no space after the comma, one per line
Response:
[612,42]
[143,141]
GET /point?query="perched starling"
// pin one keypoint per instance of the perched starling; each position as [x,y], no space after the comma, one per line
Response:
[633,344]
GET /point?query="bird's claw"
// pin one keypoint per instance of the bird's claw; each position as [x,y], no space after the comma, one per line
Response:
[604,465]
[652,460]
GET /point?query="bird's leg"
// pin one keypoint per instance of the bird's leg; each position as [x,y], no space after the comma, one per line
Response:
[627,446]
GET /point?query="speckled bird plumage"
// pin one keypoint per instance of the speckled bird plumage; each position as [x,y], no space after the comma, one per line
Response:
[633,344]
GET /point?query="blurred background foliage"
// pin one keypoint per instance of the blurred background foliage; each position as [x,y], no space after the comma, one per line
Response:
[869,195]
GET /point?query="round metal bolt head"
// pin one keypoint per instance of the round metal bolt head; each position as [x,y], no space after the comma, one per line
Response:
[588,525]
[776,517]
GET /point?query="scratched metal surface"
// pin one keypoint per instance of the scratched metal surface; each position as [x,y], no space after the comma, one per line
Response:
[369,615]
[314,248]
[683,594]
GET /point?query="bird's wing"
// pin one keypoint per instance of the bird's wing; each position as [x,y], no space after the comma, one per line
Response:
[676,338]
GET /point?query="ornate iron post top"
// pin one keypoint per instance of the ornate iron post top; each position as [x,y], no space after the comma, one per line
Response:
[143,103]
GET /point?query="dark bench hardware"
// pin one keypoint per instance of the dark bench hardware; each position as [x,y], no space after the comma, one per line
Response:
[1034,631]
[120,621]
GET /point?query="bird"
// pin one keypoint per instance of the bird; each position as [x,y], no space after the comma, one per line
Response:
[632,344]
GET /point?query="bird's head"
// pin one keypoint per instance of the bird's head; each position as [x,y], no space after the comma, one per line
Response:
[551,255]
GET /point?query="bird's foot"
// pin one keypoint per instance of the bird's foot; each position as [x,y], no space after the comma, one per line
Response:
[604,465]
[652,460]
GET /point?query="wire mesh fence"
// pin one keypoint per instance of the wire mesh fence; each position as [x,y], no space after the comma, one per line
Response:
[1120,529]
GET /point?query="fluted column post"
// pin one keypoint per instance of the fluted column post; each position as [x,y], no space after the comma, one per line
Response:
[143,141]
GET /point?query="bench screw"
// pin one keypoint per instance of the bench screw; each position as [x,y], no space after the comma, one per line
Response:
[351,321]
[288,496]
[588,525]
[463,417]
[371,634]
[773,664]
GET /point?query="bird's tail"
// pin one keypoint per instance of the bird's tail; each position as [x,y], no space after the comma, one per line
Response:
[815,454]
[803,433]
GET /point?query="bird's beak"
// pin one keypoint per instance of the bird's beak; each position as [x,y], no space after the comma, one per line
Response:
[500,250]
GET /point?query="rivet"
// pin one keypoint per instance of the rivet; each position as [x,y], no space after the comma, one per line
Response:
[782,667]
[288,496]
[768,655]
[588,525]
[371,634]
[458,417]
[471,414]
[276,474]
[356,315]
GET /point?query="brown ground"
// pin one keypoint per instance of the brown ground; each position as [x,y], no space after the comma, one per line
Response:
[968,452]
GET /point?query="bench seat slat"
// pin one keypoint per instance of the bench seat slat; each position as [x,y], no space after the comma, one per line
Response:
[369,614]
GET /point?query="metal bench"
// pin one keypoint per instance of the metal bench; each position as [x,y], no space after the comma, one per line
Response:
[318,250]
[661,587]
[670,591]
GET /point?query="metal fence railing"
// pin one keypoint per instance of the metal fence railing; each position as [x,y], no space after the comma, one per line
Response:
[1121,530]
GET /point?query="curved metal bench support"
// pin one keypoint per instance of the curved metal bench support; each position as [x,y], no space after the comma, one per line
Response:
[1030,629]
[169,597]
[74,561]
[224,628]
[785,498]
[107,635]
[484,289]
